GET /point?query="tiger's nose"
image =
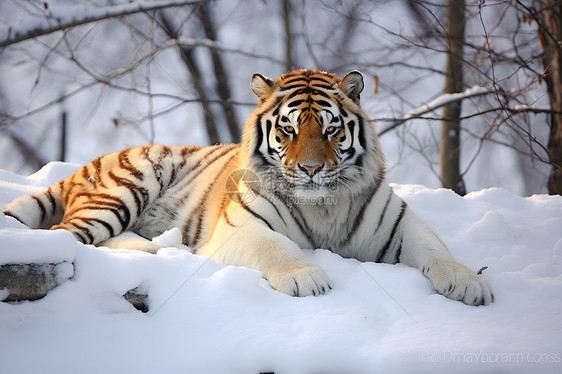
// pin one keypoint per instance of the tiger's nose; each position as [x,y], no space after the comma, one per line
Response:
[310,169]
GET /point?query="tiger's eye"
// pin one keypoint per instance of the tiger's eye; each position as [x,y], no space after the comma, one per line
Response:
[331,129]
[289,129]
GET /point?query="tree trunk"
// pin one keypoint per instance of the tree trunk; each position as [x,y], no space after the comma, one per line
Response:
[63,128]
[223,89]
[450,130]
[289,63]
[550,31]
[186,53]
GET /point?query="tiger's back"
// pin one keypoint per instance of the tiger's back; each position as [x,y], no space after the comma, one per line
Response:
[147,190]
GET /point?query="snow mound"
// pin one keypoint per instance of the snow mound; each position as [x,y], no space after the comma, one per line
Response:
[490,227]
[21,245]
[205,317]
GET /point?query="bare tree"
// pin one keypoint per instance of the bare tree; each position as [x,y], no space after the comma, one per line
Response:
[550,30]
[221,74]
[450,131]
[164,58]
[187,55]
[289,62]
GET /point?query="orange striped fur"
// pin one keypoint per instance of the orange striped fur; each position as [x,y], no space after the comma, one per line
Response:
[309,173]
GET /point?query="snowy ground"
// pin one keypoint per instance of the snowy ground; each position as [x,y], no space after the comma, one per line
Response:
[209,318]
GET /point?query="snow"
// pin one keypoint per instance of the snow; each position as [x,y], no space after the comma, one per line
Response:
[445,99]
[205,317]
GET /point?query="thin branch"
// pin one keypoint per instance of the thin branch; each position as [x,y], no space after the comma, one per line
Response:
[439,102]
[58,18]
[29,152]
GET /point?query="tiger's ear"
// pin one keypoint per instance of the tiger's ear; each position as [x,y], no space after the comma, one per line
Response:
[352,84]
[262,86]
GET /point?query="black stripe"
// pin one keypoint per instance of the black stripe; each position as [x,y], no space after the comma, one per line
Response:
[123,221]
[295,103]
[157,170]
[324,87]
[188,150]
[316,78]
[323,103]
[362,140]
[41,207]
[69,190]
[126,164]
[97,172]
[398,252]
[80,238]
[392,233]
[303,226]
[197,172]
[85,172]
[8,213]
[70,202]
[52,201]
[133,188]
[269,201]
[263,161]
[350,151]
[299,220]
[85,231]
[287,88]
[100,221]
[359,160]
[297,79]
[227,220]
[320,93]
[113,208]
[252,212]
[359,217]
[118,205]
[172,175]
[200,207]
[268,126]
[381,217]
[259,135]
[276,111]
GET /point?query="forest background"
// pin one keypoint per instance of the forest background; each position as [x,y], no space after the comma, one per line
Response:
[466,94]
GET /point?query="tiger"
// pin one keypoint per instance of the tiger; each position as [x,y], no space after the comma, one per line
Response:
[309,173]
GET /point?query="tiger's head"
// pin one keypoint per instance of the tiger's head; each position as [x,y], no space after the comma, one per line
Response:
[310,136]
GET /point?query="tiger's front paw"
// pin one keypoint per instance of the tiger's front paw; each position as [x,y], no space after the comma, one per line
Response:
[302,281]
[457,282]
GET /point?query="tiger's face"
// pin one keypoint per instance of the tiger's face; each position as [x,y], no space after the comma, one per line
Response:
[309,134]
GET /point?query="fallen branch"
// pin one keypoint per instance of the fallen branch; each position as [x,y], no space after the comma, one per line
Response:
[437,103]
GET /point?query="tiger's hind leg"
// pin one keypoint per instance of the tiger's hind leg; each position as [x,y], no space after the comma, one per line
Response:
[94,217]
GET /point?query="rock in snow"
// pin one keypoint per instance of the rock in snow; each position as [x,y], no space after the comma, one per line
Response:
[204,317]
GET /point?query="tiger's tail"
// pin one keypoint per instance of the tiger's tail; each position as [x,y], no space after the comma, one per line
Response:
[39,211]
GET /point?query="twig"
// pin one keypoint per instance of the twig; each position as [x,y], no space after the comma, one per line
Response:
[437,103]
[80,16]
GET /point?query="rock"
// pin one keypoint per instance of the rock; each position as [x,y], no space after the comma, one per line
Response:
[137,296]
[33,281]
